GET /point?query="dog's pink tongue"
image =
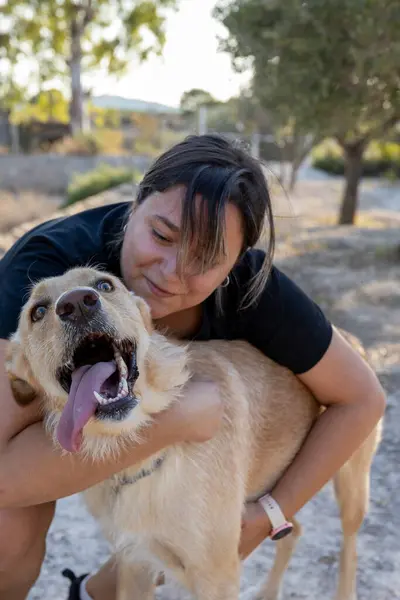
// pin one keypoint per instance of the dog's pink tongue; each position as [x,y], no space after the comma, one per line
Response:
[82,404]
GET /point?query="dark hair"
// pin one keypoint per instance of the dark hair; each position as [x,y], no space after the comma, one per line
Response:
[219,171]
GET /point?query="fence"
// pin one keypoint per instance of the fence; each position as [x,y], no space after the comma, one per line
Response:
[50,173]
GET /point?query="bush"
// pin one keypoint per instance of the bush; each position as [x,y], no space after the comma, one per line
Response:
[83,144]
[110,141]
[381,158]
[93,182]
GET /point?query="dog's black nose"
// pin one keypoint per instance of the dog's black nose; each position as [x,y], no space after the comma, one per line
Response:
[80,304]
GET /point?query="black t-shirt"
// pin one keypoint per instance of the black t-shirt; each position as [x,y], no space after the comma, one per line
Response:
[284,323]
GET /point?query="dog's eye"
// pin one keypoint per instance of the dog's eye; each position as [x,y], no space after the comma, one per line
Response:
[104,285]
[38,312]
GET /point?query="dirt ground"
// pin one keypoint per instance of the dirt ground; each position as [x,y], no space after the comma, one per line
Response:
[17,208]
[354,274]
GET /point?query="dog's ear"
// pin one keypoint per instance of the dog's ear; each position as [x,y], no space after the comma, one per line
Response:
[19,373]
[144,310]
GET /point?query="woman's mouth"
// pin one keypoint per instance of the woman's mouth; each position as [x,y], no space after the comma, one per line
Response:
[158,291]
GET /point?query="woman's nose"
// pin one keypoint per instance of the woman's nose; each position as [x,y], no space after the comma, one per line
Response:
[170,266]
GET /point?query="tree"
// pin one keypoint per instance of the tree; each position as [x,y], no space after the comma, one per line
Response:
[332,66]
[295,143]
[290,134]
[193,99]
[67,37]
[11,90]
[48,105]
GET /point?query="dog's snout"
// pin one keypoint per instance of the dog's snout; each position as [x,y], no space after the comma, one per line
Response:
[78,304]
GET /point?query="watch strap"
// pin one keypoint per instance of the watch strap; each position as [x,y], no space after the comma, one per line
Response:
[280,525]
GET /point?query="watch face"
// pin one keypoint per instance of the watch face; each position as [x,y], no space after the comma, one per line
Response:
[282,533]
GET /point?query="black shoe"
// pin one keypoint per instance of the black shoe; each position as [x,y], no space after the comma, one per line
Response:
[75,584]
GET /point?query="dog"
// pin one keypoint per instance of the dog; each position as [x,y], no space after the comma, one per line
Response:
[87,347]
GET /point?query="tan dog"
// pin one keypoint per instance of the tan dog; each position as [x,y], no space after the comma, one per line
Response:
[86,345]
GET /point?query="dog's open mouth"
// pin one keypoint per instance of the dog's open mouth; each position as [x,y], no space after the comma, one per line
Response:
[99,380]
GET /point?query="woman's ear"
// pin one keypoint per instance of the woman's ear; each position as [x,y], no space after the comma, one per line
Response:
[19,373]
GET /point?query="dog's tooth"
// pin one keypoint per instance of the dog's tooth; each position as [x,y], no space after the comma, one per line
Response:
[123,386]
[123,369]
[125,389]
[99,398]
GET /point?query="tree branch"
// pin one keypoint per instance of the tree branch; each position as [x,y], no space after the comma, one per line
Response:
[86,10]
[89,14]
[384,127]
[374,132]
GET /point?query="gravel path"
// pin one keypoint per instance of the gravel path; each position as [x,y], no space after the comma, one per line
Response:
[355,276]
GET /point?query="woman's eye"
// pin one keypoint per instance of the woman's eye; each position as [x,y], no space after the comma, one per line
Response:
[159,237]
[38,312]
[105,286]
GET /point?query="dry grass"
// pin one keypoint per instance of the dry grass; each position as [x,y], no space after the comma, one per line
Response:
[19,215]
[364,219]
[17,208]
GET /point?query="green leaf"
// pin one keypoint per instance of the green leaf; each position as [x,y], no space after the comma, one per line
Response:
[110,35]
[332,65]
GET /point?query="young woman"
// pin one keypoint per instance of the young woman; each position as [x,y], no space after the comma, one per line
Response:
[187,246]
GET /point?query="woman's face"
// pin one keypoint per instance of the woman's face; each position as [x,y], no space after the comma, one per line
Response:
[150,252]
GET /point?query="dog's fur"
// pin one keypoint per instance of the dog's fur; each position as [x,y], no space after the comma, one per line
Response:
[185,518]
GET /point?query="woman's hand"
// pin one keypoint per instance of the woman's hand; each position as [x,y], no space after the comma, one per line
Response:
[197,416]
[256,527]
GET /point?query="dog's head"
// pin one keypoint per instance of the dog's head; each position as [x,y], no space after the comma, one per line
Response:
[84,343]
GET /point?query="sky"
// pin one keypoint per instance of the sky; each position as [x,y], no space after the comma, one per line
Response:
[190,60]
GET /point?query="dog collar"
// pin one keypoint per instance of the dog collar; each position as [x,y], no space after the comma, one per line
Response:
[130,479]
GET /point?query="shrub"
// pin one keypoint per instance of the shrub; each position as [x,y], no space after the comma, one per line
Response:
[83,144]
[110,141]
[380,159]
[93,182]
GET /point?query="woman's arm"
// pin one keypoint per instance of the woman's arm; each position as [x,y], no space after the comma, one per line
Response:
[344,383]
[33,472]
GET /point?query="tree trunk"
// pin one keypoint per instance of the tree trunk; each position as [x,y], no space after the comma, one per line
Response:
[302,146]
[353,171]
[294,169]
[76,108]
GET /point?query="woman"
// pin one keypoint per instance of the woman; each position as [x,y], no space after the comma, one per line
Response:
[187,247]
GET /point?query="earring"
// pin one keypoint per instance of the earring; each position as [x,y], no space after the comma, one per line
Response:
[225,283]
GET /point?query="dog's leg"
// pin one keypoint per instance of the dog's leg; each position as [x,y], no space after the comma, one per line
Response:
[218,582]
[352,497]
[215,589]
[284,550]
[352,493]
[135,581]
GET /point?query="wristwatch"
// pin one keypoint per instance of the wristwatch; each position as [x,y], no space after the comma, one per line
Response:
[281,527]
